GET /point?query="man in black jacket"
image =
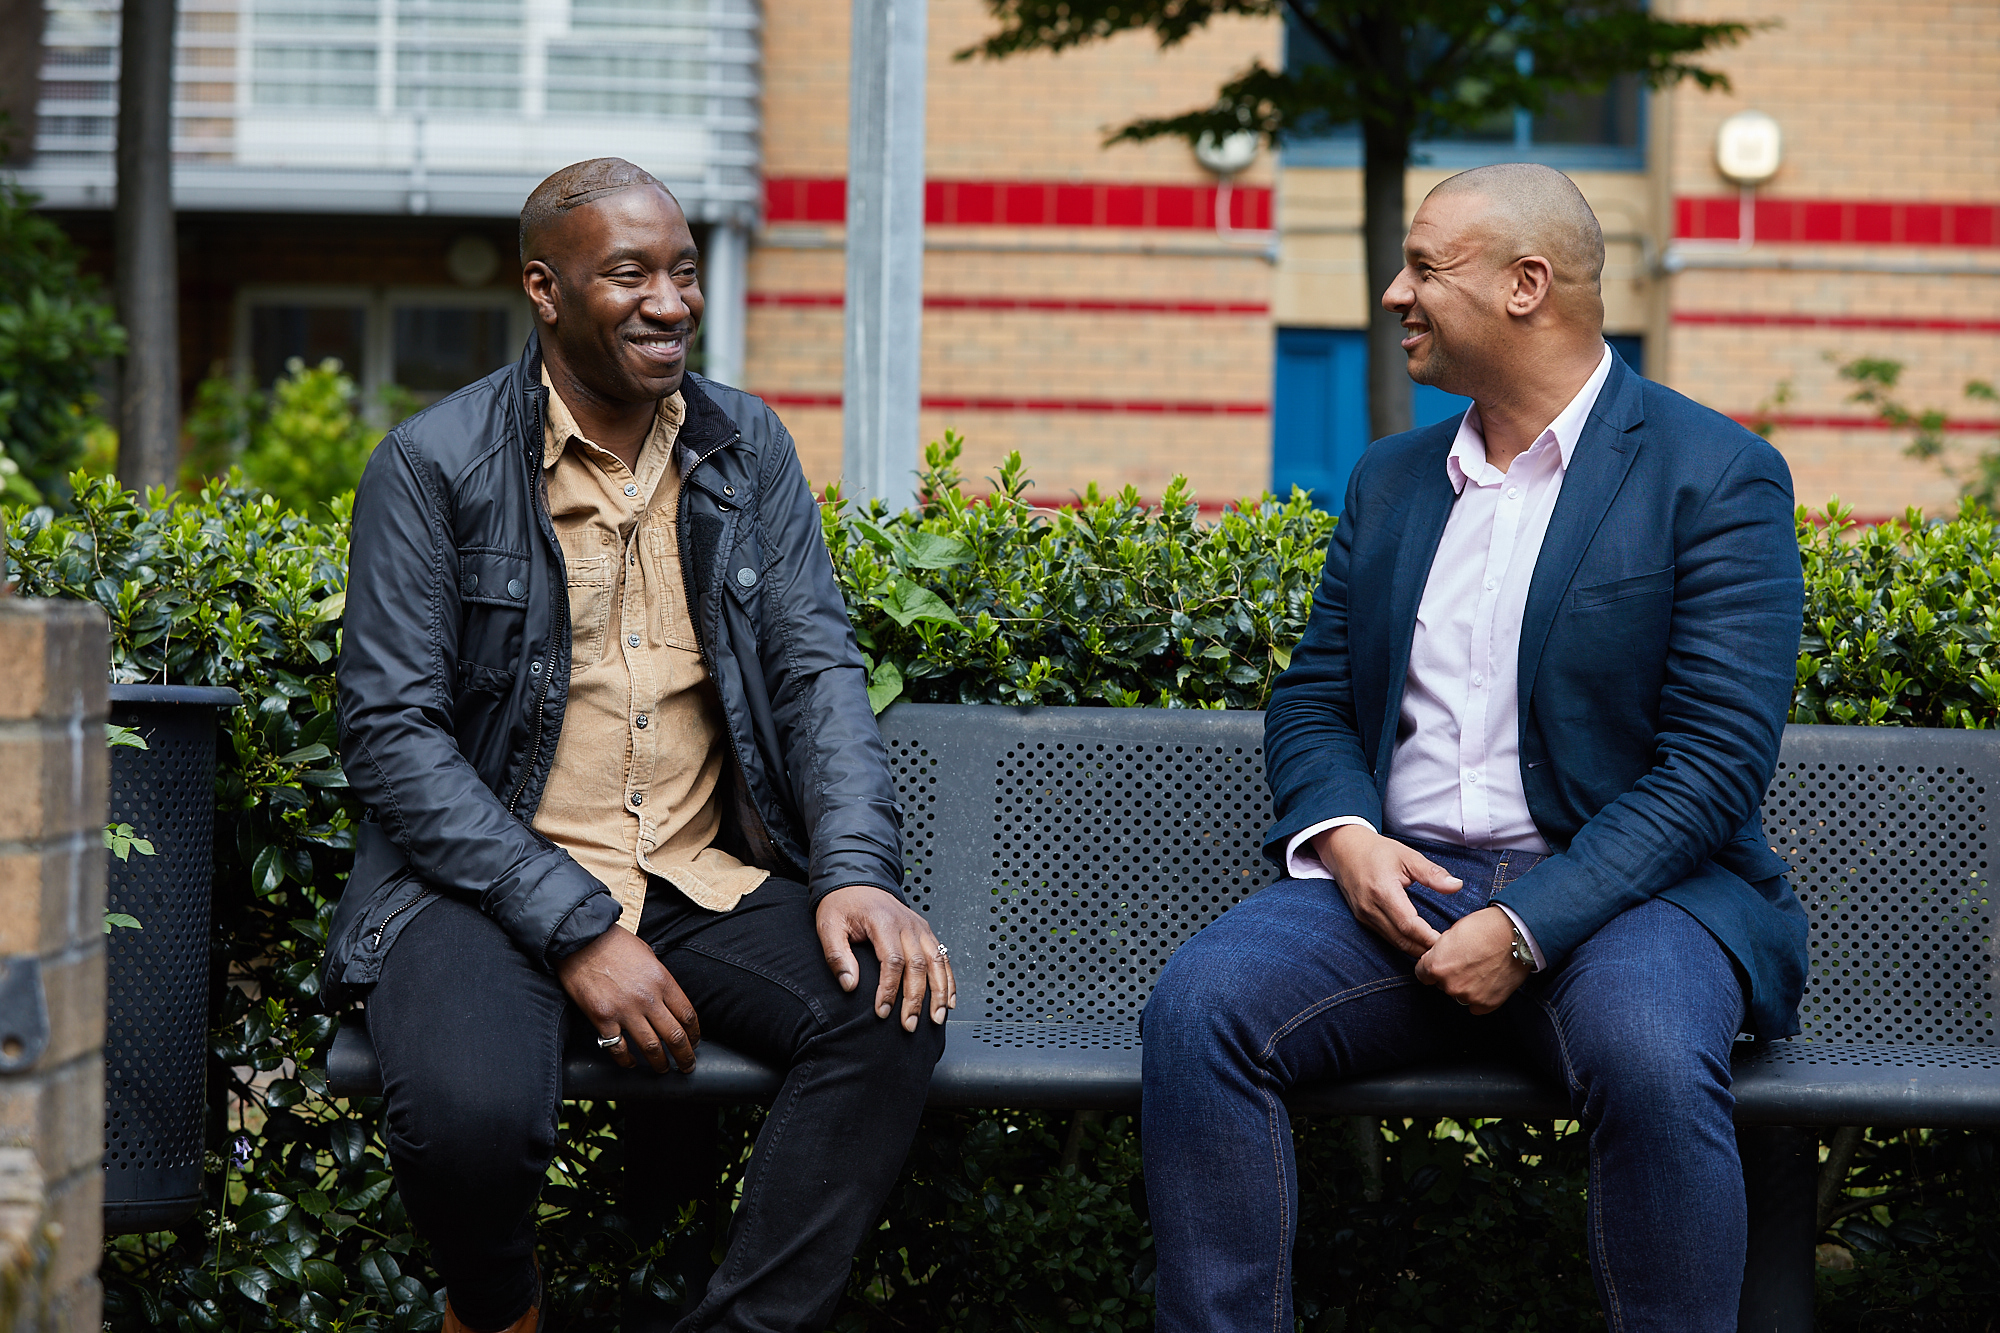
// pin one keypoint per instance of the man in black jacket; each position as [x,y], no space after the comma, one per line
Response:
[599,692]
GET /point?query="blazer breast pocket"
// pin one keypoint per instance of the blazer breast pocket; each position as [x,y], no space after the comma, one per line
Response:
[1659,582]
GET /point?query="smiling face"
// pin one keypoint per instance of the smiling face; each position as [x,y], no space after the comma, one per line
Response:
[1453,292]
[616,295]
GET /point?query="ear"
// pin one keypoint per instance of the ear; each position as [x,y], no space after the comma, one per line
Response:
[1534,281]
[544,291]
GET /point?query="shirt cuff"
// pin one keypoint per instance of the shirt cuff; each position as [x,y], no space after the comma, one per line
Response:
[1526,934]
[1301,861]
[585,922]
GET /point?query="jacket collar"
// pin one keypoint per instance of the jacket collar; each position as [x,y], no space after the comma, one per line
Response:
[1604,455]
[705,427]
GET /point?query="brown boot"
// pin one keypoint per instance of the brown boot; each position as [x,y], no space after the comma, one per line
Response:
[531,1322]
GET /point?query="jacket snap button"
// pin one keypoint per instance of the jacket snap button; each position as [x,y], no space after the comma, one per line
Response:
[729,490]
[471,583]
[535,667]
[638,798]
[747,577]
[640,721]
[631,488]
[515,588]
[631,641]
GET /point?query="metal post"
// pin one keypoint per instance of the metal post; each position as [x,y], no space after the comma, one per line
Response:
[885,251]
[1781,1178]
[724,291]
[149,425]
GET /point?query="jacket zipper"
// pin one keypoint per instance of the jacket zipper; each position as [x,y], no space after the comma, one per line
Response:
[558,610]
[392,916]
[694,618]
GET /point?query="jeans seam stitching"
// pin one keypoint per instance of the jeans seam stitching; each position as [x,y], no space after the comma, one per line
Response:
[1318,1007]
[1614,1313]
[730,960]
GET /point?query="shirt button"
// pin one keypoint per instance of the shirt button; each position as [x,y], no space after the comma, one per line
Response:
[638,798]
[1491,585]
[631,641]
[1478,679]
[1471,776]
[1513,492]
[640,721]
[631,488]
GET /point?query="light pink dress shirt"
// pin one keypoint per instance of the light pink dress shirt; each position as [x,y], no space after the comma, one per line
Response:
[1456,774]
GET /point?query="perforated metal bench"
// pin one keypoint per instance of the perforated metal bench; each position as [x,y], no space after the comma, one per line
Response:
[1065,853]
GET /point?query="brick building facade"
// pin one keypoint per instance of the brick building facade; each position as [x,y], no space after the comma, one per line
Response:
[1082,304]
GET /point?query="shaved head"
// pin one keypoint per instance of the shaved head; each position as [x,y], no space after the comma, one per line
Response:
[575,186]
[1536,210]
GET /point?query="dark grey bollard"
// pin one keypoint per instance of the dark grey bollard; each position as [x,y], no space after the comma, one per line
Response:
[156,1010]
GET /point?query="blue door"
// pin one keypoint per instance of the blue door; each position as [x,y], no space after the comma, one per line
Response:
[1319,407]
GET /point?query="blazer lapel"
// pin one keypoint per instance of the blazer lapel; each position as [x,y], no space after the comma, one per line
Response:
[1423,518]
[1597,469]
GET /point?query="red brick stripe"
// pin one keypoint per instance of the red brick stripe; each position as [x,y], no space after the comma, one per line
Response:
[1034,204]
[1136,407]
[1060,305]
[1752,320]
[1969,425]
[1839,221]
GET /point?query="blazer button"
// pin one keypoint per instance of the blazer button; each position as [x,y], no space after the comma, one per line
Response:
[516,589]
[747,577]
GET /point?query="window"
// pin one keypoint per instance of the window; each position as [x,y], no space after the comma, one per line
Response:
[1319,407]
[312,333]
[430,341]
[1576,132]
[442,348]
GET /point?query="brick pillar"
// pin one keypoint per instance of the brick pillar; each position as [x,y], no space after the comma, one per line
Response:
[53,660]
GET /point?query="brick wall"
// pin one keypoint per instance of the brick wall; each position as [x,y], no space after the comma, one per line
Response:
[1880,101]
[52,708]
[1103,353]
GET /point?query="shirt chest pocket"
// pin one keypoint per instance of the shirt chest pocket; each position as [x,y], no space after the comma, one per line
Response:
[589,606]
[672,624]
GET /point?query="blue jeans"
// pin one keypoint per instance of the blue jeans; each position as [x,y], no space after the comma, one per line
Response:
[1288,988]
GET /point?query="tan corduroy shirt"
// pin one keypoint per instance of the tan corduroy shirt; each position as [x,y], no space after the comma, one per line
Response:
[632,789]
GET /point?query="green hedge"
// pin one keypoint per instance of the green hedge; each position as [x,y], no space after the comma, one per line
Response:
[1004,1220]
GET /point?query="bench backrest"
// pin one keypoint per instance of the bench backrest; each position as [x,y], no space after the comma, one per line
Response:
[1065,853]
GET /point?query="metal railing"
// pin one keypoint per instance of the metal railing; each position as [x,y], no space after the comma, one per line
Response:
[417,105]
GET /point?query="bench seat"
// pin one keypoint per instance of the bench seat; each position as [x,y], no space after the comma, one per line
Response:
[1096,1067]
[1065,853]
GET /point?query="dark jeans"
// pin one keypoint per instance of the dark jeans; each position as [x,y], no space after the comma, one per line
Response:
[470,1035]
[1288,988]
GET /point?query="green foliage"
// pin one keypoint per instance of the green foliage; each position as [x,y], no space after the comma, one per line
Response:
[1902,621]
[304,442]
[1402,68]
[993,600]
[1004,1220]
[55,331]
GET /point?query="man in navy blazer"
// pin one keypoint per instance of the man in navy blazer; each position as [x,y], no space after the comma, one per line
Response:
[1517,762]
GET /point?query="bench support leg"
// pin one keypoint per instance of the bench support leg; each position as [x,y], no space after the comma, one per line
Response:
[1781,1177]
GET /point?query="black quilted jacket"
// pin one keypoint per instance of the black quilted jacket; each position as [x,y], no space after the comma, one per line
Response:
[454,672]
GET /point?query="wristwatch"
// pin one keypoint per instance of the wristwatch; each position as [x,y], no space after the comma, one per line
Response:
[1523,955]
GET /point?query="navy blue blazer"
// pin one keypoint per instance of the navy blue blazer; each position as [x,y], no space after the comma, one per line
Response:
[1658,651]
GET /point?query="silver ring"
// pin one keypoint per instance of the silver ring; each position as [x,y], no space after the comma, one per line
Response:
[943,952]
[608,1043]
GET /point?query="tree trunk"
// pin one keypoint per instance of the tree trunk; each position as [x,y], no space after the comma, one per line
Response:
[149,425]
[1385,155]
